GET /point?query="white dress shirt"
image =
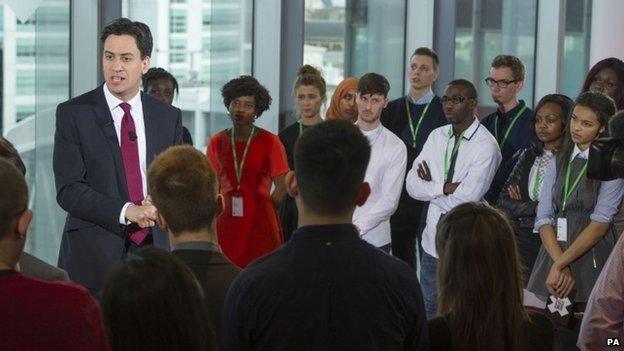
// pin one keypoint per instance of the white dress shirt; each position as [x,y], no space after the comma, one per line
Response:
[136,110]
[478,158]
[384,174]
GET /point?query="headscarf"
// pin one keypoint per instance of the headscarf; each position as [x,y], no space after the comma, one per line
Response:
[348,84]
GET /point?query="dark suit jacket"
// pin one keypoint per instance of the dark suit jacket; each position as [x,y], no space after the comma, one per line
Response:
[215,274]
[91,183]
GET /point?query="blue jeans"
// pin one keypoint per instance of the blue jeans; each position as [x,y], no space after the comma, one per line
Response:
[428,281]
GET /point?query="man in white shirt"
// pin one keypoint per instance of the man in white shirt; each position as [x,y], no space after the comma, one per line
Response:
[456,165]
[386,169]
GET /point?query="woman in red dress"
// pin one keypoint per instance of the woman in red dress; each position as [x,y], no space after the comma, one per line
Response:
[248,160]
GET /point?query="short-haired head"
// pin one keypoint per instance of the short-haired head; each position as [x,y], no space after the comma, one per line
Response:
[373,84]
[184,189]
[140,31]
[308,75]
[246,86]
[513,63]
[14,194]
[425,51]
[157,73]
[156,290]
[330,164]
[9,153]
[467,87]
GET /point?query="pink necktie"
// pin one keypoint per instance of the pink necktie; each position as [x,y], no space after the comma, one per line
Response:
[132,166]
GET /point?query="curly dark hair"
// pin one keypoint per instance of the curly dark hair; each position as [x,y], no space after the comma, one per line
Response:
[156,73]
[140,31]
[246,86]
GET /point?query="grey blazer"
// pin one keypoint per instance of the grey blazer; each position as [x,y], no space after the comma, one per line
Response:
[91,184]
[33,267]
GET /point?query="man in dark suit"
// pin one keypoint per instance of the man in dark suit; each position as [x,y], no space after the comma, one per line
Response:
[184,189]
[105,140]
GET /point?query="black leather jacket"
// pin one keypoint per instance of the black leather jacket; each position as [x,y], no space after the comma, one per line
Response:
[522,213]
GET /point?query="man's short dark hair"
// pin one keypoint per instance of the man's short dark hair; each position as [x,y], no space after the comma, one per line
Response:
[471,91]
[14,194]
[373,83]
[330,163]
[184,188]
[424,51]
[140,31]
[513,63]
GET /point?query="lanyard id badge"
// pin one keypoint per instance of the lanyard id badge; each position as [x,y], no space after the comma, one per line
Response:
[237,206]
[237,199]
[562,229]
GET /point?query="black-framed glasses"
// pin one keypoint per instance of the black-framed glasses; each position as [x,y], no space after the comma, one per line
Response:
[503,83]
[455,99]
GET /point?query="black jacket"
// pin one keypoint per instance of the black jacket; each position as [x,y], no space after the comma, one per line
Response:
[522,213]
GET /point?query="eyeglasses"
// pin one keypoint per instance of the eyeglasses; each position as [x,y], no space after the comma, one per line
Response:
[455,99]
[503,83]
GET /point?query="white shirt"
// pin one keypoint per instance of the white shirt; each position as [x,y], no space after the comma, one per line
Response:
[478,158]
[136,109]
[384,174]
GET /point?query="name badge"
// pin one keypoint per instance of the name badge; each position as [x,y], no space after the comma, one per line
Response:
[237,206]
[562,229]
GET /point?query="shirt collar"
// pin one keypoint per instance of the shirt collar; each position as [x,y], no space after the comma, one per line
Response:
[372,132]
[425,99]
[113,102]
[197,245]
[577,151]
[511,113]
[328,233]
[472,129]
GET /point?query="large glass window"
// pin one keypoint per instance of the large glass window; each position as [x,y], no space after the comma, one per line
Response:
[35,78]
[203,43]
[352,37]
[486,28]
[576,46]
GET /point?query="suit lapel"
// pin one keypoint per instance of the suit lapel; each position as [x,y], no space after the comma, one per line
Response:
[151,128]
[105,120]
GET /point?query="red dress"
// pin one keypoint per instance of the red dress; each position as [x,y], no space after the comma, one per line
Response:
[258,231]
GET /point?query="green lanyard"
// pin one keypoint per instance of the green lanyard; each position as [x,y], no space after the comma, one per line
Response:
[238,168]
[567,190]
[300,127]
[411,124]
[509,127]
[454,152]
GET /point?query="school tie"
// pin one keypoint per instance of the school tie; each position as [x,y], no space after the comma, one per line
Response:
[132,167]
[539,176]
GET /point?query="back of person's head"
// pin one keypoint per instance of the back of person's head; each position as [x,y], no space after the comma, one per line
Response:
[152,301]
[246,86]
[373,84]
[308,75]
[8,152]
[513,63]
[425,51]
[330,163]
[157,73]
[14,214]
[480,279]
[140,31]
[184,189]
